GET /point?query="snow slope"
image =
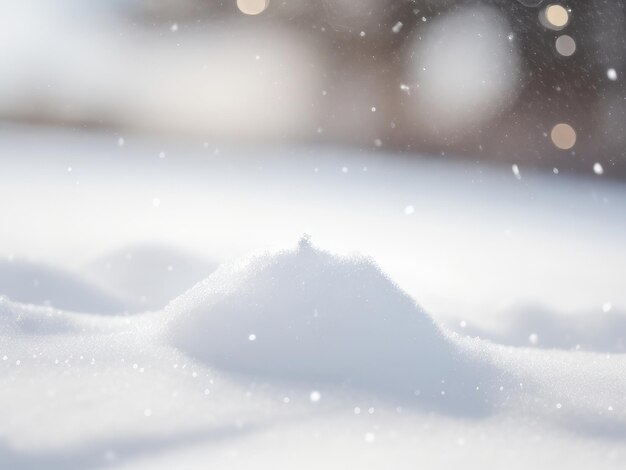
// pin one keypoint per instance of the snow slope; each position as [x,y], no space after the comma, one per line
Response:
[149,274]
[603,330]
[36,283]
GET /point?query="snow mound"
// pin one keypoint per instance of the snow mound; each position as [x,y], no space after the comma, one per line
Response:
[306,314]
[27,282]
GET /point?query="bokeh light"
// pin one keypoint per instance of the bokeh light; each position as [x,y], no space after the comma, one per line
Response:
[555,17]
[611,74]
[252,7]
[563,136]
[466,68]
[598,170]
[565,45]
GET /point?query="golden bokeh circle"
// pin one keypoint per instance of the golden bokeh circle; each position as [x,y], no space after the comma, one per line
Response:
[563,136]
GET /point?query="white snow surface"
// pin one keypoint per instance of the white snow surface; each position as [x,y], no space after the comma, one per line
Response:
[36,283]
[148,275]
[186,388]
[319,317]
[309,356]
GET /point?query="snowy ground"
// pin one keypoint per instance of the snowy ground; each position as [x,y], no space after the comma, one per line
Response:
[310,356]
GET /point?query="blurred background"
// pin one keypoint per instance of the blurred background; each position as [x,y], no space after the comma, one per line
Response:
[500,81]
[474,149]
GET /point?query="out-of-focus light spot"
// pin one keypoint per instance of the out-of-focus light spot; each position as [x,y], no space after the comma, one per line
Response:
[597,168]
[516,171]
[408,210]
[315,396]
[606,307]
[611,74]
[565,45]
[397,27]
[252,7]
[533,339]
[466,72]
[563,136]
[555,17]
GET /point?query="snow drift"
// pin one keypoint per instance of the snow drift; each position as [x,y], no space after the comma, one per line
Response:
[149,275]
[308,315]
[24,281]
[17,319]
[539,327]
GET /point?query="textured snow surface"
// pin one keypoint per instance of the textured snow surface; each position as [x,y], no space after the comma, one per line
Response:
[306,314]
[295,358]
[302,357]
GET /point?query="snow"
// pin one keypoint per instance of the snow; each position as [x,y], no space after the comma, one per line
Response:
[144,273]
[36,283]
[321,318]
[309,355]
[131,392]
[602,330]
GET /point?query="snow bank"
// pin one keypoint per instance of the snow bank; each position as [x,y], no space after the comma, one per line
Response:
[308,315]
[16,319]
[27,282]
[149,275]
[600,331]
